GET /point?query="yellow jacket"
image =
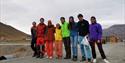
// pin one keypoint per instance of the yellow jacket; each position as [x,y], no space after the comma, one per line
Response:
[58,34]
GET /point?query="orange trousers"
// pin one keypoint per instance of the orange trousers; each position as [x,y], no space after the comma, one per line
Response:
[49,48]
[58,48]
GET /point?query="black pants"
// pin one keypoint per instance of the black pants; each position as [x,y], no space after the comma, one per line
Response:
[67,46]
[99,45]
[33,46]
[40,50]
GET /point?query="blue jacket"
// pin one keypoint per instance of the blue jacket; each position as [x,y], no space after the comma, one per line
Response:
[73,29]
[95,31]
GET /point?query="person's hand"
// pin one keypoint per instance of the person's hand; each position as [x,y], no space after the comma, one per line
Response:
[98,41]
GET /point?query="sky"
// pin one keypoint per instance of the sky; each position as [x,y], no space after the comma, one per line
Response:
[21,13]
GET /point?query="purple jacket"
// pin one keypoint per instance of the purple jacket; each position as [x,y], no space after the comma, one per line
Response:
[95,31]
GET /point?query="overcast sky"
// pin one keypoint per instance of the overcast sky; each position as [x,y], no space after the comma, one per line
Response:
[21,13]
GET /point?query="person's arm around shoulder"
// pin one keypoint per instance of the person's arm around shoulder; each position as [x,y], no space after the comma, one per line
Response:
[31,31]
[87,27]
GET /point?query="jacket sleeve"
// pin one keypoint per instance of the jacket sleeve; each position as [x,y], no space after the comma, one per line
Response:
[99,29]
[78,26]
[87,27]
[45,30]
[31,31]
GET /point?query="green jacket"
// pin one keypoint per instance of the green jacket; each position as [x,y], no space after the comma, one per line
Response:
[65,30]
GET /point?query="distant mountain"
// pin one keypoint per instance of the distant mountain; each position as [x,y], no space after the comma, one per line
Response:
[8,32]
[118,30]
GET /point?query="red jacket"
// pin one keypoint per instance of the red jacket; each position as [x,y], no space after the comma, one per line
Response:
[41,28]
[50,33]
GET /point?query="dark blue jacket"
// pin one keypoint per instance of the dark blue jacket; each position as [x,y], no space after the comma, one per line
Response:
[73,29]
[33,34]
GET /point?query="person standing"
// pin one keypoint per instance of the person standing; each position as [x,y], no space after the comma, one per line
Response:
[83,31]
[66,37]
[58,41]
[41,29]
[95,36]
[74,37]
[34,37]
[49,39]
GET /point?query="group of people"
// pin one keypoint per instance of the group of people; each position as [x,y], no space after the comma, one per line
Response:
[49,38]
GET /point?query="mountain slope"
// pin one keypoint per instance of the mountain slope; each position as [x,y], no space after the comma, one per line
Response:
[118,30]
[8,32]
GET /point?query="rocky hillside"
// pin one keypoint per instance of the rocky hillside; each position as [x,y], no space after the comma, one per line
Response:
[8,32]
[118,30]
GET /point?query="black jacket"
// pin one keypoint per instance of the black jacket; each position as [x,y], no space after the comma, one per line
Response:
[33,33]
[83,27]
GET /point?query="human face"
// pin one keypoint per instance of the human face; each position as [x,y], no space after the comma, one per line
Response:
[80,18]
[70,20]
[57,26]
[42,21]
[49,23]
[34,23]
[93,20]
[62,21]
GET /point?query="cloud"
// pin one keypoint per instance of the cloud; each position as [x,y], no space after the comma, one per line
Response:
[21,13]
